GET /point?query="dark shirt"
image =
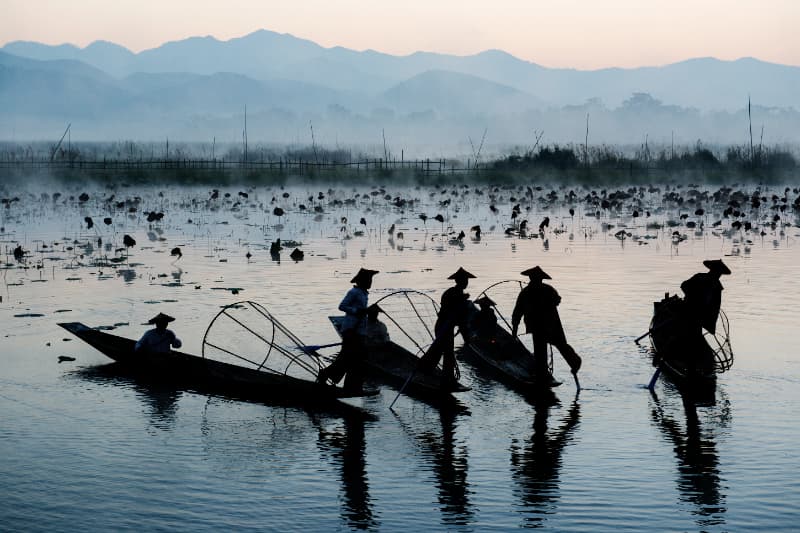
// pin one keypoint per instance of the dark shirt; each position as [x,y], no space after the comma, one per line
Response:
[453,310]
[156,341]
[537,304]
[703,299]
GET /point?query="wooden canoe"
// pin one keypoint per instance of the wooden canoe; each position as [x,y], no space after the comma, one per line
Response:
[206,373]
[392,364]
[508,360]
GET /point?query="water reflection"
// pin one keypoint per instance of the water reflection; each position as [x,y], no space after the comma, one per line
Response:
[127,274]
[348,446]
[536,466]
[449,463]
[698,480]
[160,399]
[176,275]
[161,392]
[162,402]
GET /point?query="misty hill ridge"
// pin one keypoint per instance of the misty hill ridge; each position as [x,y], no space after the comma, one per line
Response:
[454,92]
[197,89]
[703,83]
[65,88]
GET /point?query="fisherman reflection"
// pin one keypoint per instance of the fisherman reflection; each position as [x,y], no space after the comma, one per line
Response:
[454,312]
[450,468]
[698,464]
[162,400]
[537,304]
[349,362]
[348,448]
[536,467]
[159,395]
[160,339]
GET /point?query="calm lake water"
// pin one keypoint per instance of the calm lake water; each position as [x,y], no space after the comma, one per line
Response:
[84,449]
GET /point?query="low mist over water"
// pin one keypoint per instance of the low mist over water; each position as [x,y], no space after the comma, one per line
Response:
[87,447]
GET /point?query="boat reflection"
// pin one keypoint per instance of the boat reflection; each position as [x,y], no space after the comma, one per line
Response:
[698,480]
[347,446]
[159,391]
[536,465]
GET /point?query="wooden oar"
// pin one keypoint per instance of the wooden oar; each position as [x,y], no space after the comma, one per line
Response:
[410,377]
[653,380]
[408,380]
[314,347]
[651,330]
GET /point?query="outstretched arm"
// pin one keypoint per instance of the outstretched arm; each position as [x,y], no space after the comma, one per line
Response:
[176,342]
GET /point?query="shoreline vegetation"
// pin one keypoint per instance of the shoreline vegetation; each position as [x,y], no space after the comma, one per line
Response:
[189,164]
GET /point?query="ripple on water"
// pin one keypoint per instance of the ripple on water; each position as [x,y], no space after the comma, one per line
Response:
[88,451]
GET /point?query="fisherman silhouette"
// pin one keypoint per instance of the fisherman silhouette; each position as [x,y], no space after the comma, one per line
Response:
[349,360]
[453,312]
[537,303]
[704,294]
[701,305]
[160,339]
[375,332]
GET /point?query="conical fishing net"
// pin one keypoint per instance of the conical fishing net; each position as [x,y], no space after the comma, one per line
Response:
[504,295]
[720,343]
[247,335]
[410,317]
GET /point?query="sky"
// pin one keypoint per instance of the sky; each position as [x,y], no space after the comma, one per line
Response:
[582,34]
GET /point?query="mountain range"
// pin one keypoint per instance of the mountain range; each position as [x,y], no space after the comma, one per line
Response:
[188,86]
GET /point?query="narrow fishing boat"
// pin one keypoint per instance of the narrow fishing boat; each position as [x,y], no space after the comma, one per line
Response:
[246,352]
[509,360]
[394,359]
[691,362]
[496,350]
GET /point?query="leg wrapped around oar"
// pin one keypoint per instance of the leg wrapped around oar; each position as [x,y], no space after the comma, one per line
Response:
[570,356]
[443,348]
